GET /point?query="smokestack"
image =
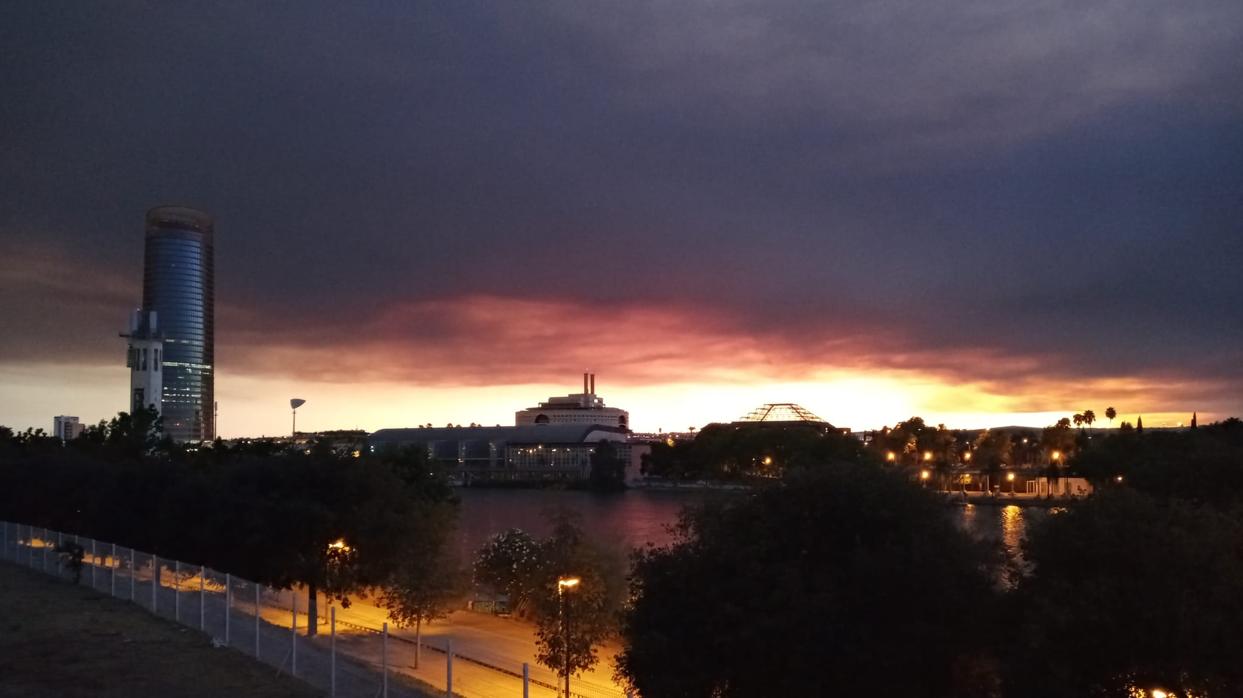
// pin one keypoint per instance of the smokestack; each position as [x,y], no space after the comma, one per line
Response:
[585,383]
[593,384]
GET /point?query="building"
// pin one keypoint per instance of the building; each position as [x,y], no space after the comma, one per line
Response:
[578,408]
[67,428]
[146,347]
[531,452]
[172,337]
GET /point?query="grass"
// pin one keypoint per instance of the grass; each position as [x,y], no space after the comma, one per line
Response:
[58,640]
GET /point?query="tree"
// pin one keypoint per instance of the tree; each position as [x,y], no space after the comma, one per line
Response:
[333,523]
[608,471]
[845,580]
[1078,419]
[428,579]
[1089,418]
[1110,413]
[573,617]
[508,564]
[1129,592]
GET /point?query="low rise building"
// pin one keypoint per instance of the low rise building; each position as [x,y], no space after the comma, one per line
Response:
[532,452]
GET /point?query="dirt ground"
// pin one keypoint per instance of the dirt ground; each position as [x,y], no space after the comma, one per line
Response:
[57,640]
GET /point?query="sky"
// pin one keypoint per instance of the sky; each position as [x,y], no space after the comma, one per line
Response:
[982,212]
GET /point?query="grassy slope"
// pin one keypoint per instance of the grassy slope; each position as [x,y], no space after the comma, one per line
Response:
[60,640]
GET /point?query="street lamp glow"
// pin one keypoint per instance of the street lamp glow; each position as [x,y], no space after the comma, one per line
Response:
[927,455]
[339,545]
[1057,455]
[967,456]
[1010,477]
[1158,693]
[1118,479]
[568,583]
[924,475]
[889,456]
[768,460]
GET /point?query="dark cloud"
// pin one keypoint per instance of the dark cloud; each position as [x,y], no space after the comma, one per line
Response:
[1054,185]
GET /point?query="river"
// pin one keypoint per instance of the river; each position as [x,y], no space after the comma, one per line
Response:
[637,517]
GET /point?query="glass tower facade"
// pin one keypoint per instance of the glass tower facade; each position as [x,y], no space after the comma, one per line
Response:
[179,285]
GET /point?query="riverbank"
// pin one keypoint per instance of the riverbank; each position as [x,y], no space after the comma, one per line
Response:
[61,640]
[1004,500]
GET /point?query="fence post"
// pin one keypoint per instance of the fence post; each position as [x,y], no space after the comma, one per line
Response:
[155,582]
[449,667]
[384,660]
[202,595]
[293,633]
[228,605]
[177,590]
[332,651]
[92,564]
[112,567]
[256,620]
[526,680]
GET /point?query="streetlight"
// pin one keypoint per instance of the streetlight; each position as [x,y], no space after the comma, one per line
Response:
[294,404]
[927,456]
[565,585]
[1010,479]
[924,475]
[967,456]
[889,456]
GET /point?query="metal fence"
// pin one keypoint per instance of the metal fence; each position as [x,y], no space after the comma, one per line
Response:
[352,654]
[259,621]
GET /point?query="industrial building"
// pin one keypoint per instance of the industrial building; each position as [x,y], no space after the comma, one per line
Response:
[577,408]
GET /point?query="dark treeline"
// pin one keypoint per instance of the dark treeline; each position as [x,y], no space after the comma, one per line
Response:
[738,452]
[336,521]
[843,577]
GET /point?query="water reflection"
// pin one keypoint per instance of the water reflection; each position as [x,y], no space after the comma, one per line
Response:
[635,518]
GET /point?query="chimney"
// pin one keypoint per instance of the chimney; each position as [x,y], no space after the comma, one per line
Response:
[585,383]
[593,384]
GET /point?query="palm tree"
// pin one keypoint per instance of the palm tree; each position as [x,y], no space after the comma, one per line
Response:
[1089,417]
[1078,420]
[1110,413]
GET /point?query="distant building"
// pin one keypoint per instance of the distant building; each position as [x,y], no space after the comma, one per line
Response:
[172,338]
[67,428]
[577,408]
[520,453]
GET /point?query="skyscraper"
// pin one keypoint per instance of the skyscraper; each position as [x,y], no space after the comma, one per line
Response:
[172,339]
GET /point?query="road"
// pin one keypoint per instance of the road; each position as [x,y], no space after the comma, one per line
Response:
[489,650]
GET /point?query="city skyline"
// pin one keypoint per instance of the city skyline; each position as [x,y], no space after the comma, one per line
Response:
[446,214]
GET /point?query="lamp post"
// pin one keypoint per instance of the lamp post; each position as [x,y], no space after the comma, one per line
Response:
[564,586]
[294,404]
[1010,479]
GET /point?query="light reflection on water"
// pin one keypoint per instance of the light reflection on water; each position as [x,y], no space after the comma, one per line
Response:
[636,517]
